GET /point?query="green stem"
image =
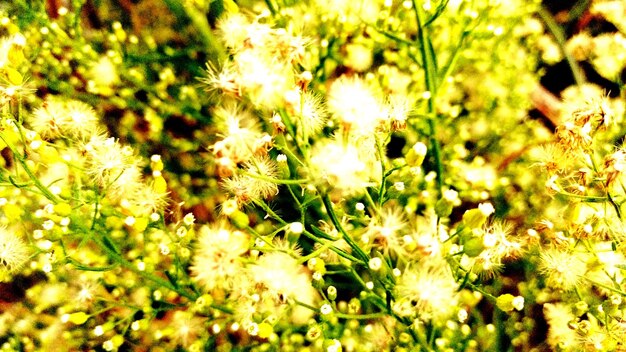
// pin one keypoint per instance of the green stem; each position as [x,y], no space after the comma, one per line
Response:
[333,218]
[361,316]
[605,286]
[315,253]
[215,50]
[559,36]
[271,7]
[117,258]
[587,199]
[44,190]
[339,252]
[270,212]
[430,77]
[274,180]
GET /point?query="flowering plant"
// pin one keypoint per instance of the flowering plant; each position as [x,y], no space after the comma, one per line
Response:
[306,176]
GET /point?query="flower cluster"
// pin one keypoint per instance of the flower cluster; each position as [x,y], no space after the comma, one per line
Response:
[312,176]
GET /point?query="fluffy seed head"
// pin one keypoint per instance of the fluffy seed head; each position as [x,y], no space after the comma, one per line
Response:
[356,105]
[426,289]
[561,269]
[216,258]
[13,252]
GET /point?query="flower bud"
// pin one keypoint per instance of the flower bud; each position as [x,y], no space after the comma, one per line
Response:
[77,318]
[475,218]
[332,345]
[443,208]
[505,302]
[331,291]
[580,308]
[473,247]
[62,209]
[265,330]
[239,219]
[416,155]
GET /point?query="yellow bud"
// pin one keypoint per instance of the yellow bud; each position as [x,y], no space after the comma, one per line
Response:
[13,76]
[415,155]
[48,153]
[239,219]
[120,34]
[78,318]
[443,208]
[16,55]
[113,222]
[230,6]
[12,28]
[505,302]
[265,330]
[410,245]
[12,212]
[140,224]
[117,340]
[575,213]
[474,218]
[156,164]
[473,247]
[317,265]
[62,209]
[10,136]
[159,185]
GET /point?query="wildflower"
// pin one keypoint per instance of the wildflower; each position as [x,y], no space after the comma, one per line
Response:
[263,79]
[310,114]
[614,166]
[13,253]
[281,275]
[560,335]
[612,11]
[224,80]
[580,45]
[340,166]
[141,198]
[562,269]
[606,270]
[255,183]
[551,158]
[356,105]
[216,257]
[386,229]
[238,32]
[239,131]
[399,108]
[427,236]
[108,163]
[497,246]
[609,54]
[103,77]
[359,57]
[288,47]
[64,118]
[426,289]
[186,327]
